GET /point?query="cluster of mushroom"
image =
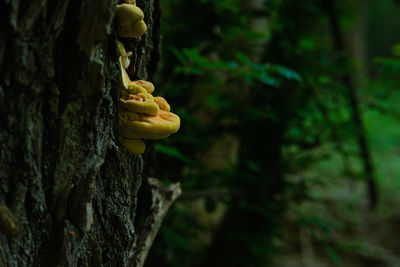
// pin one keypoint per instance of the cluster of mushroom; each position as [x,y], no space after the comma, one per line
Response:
[130,20]
[140,115]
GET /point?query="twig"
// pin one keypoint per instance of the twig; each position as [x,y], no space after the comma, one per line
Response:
[162,199]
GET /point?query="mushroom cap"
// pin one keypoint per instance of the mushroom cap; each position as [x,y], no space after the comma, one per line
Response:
[146,85]
[126,115]
[128,14]
[130,21]
[162,103]
[136,89]
[133,2]
[134,30]
[139,103]
[151,127]
[135,146]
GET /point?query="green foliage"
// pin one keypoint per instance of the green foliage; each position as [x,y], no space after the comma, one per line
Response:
[266,119]
[173,152]
[242,69]
[333,255]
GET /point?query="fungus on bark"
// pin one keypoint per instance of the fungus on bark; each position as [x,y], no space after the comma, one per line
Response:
[139,103]
[151,127]
[146,85]
[125,61]
[140,115]
[162,103]
[135,146]
[130,20]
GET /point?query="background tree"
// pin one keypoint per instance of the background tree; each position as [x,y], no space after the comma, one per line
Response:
[269,155]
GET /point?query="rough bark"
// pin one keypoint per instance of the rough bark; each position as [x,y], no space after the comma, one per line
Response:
[67,189]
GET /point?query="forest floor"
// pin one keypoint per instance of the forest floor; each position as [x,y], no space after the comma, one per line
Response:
[335,226]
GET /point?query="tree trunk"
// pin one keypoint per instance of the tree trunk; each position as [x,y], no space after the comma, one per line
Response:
[68,190]
[245,235]
[356,115]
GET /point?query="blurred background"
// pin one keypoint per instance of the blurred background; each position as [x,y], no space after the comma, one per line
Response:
[288,153]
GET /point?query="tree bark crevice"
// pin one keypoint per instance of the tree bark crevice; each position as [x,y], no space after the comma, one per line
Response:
[63,175]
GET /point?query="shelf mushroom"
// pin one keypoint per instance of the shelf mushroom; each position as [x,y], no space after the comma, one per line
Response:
[127,86]
[139,103]
[130,20]
[134,126]
[160,126]
[146,85]
[135,146]
[162,103]
[140,115]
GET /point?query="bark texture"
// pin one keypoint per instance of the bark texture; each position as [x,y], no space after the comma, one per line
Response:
[67,189]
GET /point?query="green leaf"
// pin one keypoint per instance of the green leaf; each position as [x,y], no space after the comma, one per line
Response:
[173,152]
[288,73]
[268,80]
[242,58]
[178,54]
[253,166]
[396,50]
[324,79]
[333,255]
[306,44]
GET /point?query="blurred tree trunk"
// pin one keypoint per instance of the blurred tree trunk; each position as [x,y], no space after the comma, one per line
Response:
[356,115]
[245,235]
[67,190]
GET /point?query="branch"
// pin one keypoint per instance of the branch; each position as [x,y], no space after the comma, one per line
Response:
[162,199]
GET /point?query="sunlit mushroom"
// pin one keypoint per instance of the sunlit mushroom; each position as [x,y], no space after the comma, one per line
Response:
[140,115]
[151,127]
[139,103]
[135,146]
[162,103]
[145,84]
